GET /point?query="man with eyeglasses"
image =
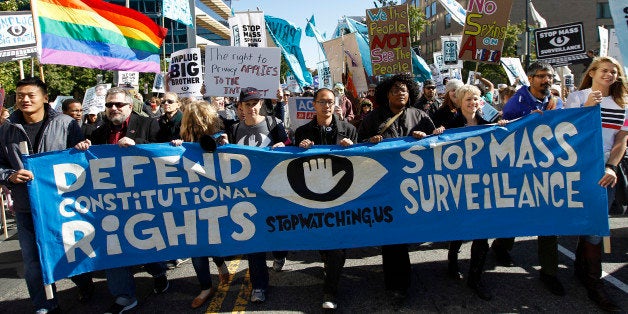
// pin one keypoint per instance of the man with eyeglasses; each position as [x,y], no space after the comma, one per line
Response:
[327,129]
[535,98]
[126,128]
[428,102]
[38,128]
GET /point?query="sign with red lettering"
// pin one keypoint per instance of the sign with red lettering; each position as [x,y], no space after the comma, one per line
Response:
[485,30]
[389,37]
[228,69]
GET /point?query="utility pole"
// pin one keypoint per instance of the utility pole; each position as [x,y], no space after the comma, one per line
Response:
[527,37]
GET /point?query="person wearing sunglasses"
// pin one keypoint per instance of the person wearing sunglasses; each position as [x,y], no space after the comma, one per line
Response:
[170,121]
[126,128]
[428,102]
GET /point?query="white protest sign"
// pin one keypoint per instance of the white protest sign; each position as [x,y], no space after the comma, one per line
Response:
[248,29]
[514,70]
[603,34]
[158,83]
[301,111]
[186,75]
[127,79]
[324,75]
[58,102]
[451,48]
[228,69]
[95,97]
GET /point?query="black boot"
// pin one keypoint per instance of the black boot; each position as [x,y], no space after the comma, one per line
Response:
[478,257]
[453,271]
[579,269]
[591,265]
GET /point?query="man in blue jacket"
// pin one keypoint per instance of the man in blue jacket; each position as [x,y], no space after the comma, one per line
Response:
[535,98]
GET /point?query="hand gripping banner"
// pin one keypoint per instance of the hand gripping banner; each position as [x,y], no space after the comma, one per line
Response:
[110,206]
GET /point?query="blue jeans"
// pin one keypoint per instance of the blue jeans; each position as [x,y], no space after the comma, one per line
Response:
[201,267]
[258,270]
[121,283]
[32,267]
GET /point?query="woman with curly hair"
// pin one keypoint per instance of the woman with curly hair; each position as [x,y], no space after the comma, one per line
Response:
[200,119]
[602,85]
[395,118]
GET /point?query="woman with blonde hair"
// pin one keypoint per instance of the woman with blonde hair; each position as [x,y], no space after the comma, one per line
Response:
[468,97]
[201,119]
[604,85]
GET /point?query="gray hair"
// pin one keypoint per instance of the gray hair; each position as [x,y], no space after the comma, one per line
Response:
[539,66]
[117,90]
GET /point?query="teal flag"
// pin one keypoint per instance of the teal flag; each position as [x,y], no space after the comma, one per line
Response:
[288,37]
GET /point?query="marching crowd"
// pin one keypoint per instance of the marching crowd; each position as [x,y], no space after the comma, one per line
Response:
[395,107]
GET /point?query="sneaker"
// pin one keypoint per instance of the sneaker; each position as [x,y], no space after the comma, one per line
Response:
[180,261]
[329,302]
[116,307]
[161,284]
[278,264]
[553,284]
[56,310]
[258,295]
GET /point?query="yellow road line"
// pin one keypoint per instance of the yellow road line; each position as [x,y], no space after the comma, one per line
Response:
[215,305]
[244,294]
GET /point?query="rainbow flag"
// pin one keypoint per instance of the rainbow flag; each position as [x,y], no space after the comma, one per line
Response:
[96,34]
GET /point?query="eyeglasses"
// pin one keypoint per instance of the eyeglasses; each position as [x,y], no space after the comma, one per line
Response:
[430,87]
[326,102]
[399,91]
[544,76]
[115,103]
[168,101]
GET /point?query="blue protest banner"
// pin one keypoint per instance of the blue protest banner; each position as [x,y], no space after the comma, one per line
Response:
[112,206]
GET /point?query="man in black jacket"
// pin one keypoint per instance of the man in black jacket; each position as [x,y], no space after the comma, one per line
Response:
[126,128]
[327,129]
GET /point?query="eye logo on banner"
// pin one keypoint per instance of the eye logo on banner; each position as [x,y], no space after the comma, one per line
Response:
[335,175]
[323,181]
[256,140]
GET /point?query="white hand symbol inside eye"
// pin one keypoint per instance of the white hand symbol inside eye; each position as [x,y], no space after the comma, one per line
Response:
[319,177]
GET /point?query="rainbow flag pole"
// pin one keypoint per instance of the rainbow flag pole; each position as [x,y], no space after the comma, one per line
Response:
[96,34]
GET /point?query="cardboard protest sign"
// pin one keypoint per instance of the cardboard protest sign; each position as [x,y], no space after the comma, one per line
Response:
[301,111]
[127,79]
[485,30]
[158,83]
[228,69]
[389,38]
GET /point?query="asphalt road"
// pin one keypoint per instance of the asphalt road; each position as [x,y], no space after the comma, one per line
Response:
[298,288]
